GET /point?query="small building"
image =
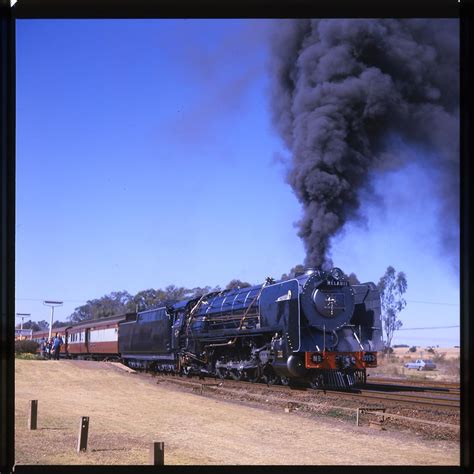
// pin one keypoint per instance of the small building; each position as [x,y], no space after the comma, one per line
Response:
[21,334]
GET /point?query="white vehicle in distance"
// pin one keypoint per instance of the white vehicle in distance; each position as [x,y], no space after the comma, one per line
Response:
[421,364]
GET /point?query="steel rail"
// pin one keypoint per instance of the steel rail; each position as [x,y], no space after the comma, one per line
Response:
[428,402]
[413,388]
[431,383]
[406,398]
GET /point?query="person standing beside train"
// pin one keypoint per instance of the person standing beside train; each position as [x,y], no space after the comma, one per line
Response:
[44,348]
[57,343]
[50,348]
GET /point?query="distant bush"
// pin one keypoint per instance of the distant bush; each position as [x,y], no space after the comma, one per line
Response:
[27,356]
[393,370]
[26,346]
[412,349]
[439,357]
[430,350]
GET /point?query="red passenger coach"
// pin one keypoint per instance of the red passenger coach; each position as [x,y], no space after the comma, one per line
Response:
[103,336]
[76,340]
[97,338]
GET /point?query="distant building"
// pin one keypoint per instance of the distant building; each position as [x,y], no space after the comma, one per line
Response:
[21,334]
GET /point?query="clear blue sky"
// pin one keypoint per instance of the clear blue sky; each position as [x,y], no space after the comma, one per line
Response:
[146,157]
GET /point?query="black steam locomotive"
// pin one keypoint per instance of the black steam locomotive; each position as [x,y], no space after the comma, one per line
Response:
[315,327]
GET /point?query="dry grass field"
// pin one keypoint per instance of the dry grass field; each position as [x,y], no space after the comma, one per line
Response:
[447,362]
[129,411]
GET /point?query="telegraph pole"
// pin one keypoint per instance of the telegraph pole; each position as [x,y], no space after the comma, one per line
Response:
[22,316]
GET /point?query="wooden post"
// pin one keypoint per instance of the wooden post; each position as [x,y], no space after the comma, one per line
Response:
[358,413]
[33,419]
[157,453]
[83,433]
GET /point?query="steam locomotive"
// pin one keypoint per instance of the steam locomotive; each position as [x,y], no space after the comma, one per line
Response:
[315,327]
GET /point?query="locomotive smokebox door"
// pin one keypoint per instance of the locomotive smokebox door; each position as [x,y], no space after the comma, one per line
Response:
[327,302]
[279,311]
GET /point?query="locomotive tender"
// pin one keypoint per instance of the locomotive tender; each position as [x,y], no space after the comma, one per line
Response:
[315,327]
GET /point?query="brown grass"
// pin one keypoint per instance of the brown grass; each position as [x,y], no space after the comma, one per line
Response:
[129,411]
[447,361]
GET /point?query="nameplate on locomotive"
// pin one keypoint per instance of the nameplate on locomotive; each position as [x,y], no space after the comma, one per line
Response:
[337,283]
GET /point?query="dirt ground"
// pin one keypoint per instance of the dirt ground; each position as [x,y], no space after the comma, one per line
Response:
[129,411]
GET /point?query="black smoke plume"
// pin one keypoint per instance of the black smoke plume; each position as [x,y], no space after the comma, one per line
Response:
[344,92]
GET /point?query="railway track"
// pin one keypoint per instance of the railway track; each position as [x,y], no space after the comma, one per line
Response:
[375,394]
[410,390]
[418,384]
[412,399]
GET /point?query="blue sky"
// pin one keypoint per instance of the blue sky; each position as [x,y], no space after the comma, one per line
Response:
[146,157]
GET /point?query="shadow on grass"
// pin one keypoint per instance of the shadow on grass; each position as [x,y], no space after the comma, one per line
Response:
[53,428]
[108,449]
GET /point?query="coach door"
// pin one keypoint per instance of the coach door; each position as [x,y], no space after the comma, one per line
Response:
[66,338]
[87,336]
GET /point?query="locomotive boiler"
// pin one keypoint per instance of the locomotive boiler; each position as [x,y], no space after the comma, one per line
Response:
[315,327]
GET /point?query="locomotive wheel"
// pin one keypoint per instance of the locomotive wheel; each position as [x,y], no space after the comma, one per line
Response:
[186,371]
[270,378]
[253,375]
[237,374]
[285,380]
[242,375]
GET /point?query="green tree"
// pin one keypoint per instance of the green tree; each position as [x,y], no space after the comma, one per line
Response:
[58,324]
[116,302]
[147,299]
[392,286]
[29,325]
[43,325]
[199,291]
[173,294]
[35,326]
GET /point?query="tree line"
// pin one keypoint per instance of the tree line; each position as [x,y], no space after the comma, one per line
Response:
[392,286]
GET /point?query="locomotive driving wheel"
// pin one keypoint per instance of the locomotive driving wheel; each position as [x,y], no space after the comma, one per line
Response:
[222,373]
[253,375]
[186,370]
[269,376]
[285,380]
[237,374]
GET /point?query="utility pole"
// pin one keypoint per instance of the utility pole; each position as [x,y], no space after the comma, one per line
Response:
[22,316]
[52,304]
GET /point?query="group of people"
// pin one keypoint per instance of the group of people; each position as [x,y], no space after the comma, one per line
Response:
[50,348]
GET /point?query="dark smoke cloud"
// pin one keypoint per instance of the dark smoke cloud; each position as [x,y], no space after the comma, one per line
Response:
[343,92]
